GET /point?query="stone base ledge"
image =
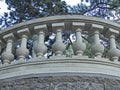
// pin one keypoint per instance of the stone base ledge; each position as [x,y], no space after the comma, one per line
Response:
[59,66]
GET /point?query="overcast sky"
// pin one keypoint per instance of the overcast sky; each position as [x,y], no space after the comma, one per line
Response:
[72,2]
[3,7]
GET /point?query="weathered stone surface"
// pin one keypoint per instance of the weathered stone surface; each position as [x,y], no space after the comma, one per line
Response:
[112,87]
[61,83]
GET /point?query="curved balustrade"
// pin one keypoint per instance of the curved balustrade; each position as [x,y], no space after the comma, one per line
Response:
[14,39]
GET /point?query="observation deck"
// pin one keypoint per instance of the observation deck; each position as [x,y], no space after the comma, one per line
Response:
[84,54]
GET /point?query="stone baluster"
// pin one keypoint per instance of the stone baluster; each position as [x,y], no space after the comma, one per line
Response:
[58,47]
[78,47]
[40,48]
[0,61]
[97,48]
[1,44]
[22,52]
[35,41]
[113,52]
[7,56]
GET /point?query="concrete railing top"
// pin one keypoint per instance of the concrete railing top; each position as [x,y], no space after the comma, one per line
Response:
[62,18]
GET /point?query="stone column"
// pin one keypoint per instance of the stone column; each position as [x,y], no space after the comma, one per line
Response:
[22,52]
[58,47]
[35,41]
[0,51]
[0,45]
[114,53]
[7,56]
[78,46]
[97,48]
[40,48]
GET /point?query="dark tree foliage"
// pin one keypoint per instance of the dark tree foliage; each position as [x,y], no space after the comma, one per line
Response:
[107,9]
[22,10]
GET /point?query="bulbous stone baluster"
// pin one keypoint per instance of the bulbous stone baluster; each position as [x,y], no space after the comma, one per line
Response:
[7,56]
[114,53]
[78,47]
[0,60]
[40,48]
[0,45]
[58,47]
[22,52]
[0,50]
[97,48]
[35,41]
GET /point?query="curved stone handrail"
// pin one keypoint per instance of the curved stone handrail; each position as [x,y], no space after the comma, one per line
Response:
[62,18]
[59,63]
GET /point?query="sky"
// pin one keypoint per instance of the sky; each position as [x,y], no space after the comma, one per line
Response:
[72,2]
[3,6]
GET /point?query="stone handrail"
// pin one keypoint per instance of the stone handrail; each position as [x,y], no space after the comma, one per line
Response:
[13,56]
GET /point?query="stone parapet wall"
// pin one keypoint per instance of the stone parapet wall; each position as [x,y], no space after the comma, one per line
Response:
[61,83]
[25,51]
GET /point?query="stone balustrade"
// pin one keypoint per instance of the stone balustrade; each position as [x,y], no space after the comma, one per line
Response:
[14,41]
